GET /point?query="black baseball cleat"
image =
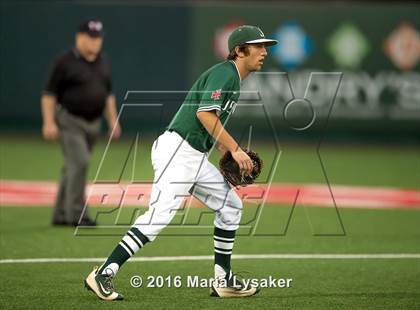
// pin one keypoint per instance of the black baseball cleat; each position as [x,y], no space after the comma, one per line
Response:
[102,285]
[229,285]
[85,222]
[59,223]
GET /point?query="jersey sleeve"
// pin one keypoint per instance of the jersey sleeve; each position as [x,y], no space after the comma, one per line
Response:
[217,88]
[55,79]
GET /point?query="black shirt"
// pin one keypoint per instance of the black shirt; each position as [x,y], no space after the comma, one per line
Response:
[81,87]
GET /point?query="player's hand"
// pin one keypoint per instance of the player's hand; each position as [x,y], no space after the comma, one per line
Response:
[115,131]
[50,131]
[243,160]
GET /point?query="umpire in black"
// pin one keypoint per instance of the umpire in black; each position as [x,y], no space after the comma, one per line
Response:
[77,94]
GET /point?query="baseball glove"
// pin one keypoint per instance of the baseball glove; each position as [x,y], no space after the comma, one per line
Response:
[231,172]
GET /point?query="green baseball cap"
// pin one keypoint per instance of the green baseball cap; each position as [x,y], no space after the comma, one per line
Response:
[248,34]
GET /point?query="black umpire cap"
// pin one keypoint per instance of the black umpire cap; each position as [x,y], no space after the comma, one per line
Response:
[94,28]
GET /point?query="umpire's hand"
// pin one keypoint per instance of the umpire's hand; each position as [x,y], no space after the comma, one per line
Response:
[114,130]
[50,131]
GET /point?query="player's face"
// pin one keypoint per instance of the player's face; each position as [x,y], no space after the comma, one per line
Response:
[255,59]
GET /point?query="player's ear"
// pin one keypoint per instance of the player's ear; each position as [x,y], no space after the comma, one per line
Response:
[239,52]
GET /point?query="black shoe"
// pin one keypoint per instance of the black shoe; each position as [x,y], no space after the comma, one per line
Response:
[60,223]
[85,222]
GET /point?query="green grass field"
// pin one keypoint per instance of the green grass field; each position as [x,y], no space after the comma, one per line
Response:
[317,283]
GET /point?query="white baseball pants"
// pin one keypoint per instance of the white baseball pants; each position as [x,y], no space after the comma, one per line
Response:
[181,170]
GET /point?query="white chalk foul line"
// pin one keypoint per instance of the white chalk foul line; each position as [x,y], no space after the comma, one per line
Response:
[211,257]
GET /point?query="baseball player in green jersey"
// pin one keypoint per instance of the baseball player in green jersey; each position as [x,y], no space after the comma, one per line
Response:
[181,167]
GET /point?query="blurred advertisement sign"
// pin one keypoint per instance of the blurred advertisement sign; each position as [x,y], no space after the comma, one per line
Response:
[403,46]
[348,46]
[294,45]
[361,96]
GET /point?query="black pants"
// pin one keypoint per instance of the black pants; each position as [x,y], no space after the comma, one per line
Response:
[77,137]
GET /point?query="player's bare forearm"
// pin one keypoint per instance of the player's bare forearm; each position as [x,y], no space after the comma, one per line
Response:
[214,127]
[221,148]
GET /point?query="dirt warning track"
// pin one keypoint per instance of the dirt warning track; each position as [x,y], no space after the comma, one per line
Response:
[33,193]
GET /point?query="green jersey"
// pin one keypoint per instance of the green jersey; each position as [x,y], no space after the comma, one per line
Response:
[216,89]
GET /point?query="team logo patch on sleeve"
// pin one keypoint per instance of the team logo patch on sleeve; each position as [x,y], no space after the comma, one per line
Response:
[216,94]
